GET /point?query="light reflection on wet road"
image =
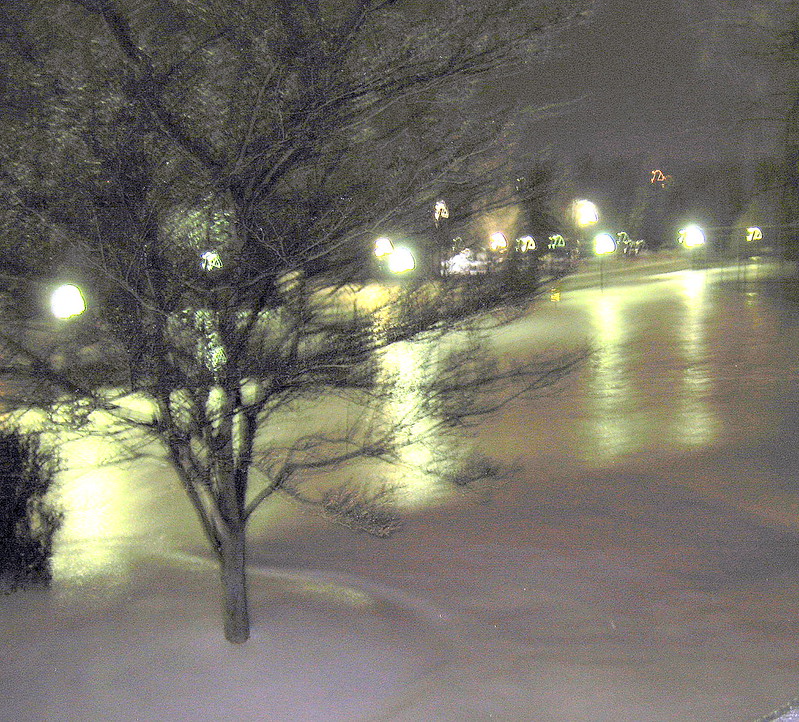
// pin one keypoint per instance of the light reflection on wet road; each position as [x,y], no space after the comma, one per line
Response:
[616,576]
[678,364]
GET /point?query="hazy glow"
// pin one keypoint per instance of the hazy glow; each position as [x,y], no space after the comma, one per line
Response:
[694,288]
[383,247]
[604,243]
[99,512]
[290,281]
[365,298]
[210,348]
[692,236]
[401,260]
[585,213]
[498,241]
[67,301]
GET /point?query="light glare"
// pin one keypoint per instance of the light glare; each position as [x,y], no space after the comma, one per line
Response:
[401,260]
[585,213]
[692,236]
[498,241]
[67,301]
[383,247]
[604,243]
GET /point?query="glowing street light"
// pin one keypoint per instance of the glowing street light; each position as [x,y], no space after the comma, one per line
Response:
[604,244]
[585,213]
[440,211]
[398,259]
[210,260]
[498,241]
[692,236]
[67,301]
[383,247]
[401,260]
[753,233]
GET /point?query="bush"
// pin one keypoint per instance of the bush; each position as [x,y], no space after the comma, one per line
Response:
[27,521]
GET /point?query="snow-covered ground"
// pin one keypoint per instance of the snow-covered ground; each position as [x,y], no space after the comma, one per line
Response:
[642,564]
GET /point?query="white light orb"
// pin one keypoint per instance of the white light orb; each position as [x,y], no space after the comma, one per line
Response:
[692,236]
[67,301]
[585,213]
[210,260]
[383,247]
[401,260]
[604,243]
[498,241]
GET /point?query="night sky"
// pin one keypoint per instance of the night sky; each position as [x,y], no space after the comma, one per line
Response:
[660,78]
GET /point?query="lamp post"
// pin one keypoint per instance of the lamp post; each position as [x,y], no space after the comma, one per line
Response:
[210,260]
[604,244]
[693,238]
[585,214]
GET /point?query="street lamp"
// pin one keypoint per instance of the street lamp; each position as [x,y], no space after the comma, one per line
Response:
[67,301]
[693,238]
[440,211]
[498,241]
[753,233]
[383,247]
[604,244]
[398,259]
[585,213]
[401,260]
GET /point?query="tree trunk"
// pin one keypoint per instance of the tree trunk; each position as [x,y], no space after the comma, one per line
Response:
[234,588]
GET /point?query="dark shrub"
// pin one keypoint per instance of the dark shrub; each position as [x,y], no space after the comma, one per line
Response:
[27,521]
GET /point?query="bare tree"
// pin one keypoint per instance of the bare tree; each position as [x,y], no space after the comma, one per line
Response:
[213,176]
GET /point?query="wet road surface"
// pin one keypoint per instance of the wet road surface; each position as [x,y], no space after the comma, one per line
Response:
[642,564]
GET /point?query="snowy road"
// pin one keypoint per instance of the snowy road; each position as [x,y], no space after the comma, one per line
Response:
[642,565]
